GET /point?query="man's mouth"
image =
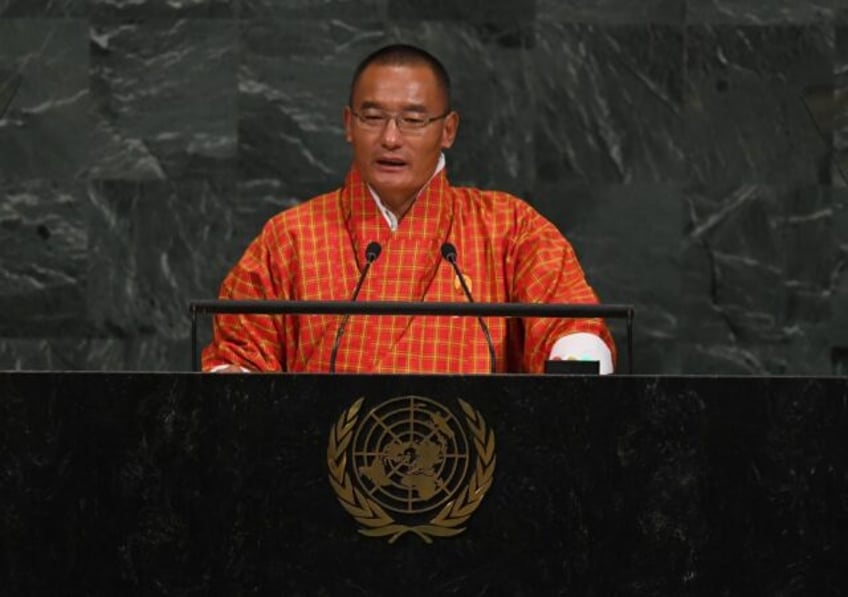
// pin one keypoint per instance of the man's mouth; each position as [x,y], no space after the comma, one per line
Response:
[391,163]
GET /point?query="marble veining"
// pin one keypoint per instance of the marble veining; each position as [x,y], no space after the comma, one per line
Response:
[692,150]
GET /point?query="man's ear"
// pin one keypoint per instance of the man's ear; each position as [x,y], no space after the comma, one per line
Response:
[450,129]
[347,116]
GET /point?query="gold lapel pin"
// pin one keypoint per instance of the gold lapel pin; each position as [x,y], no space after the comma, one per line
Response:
[458,285]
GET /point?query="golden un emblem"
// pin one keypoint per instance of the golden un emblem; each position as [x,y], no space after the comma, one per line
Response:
[408,466]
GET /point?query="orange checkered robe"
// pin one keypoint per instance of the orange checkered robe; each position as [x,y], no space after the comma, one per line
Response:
[315,251]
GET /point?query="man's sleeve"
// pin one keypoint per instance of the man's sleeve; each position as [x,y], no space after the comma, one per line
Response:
[254,342]
[547,271]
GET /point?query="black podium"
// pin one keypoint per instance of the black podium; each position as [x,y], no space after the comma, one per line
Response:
[193,484]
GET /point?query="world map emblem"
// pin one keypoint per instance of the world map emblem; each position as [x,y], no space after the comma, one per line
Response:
[411,465]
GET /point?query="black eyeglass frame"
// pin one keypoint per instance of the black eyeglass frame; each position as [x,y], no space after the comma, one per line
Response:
[398,117]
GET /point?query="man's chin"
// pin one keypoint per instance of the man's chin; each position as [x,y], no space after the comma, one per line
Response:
[391,191]
[393,197]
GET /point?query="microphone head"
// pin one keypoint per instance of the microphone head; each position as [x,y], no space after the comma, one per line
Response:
[449,252]
[372,251]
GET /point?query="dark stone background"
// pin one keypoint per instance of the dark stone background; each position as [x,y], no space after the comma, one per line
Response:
[692,151]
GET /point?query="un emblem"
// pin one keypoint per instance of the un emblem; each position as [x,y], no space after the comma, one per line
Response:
[408,466]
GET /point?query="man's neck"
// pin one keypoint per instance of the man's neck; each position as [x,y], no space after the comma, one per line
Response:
[400,208]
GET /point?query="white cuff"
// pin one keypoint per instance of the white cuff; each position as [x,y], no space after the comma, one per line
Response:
[217,368]
[583,347]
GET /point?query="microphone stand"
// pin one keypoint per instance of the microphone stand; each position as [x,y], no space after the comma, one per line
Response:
[449,253]
[372,251]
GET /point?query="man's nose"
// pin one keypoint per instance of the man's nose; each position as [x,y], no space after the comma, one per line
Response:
[391,135]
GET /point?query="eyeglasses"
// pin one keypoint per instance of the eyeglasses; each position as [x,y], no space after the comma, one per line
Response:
[405,121]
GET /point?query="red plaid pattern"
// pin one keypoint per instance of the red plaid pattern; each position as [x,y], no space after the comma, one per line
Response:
[315,251]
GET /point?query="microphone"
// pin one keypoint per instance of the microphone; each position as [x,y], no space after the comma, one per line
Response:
[372,251]
[449,253]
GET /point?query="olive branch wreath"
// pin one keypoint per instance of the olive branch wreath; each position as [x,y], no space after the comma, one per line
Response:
[370,514]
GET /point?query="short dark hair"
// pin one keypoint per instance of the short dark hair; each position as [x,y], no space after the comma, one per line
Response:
[403,55]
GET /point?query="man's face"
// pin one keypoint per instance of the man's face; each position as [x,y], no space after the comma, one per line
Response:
[394,162]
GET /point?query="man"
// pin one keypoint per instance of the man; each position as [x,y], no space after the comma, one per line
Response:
[396,193]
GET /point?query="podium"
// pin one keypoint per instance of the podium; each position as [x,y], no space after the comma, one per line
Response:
[198,484]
